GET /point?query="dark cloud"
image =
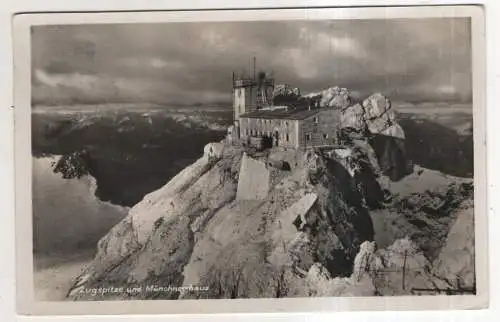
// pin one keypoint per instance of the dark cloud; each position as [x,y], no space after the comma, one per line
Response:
[410,60]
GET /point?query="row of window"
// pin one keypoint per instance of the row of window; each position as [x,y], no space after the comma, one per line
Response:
[287,136]
[265,121]
[264,133]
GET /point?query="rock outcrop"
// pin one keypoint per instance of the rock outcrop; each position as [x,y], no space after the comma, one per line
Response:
[332,97]
[285,90]
[374,122]
[73,165]
[381,118]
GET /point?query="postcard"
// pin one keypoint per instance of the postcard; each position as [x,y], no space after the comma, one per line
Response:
[271,160]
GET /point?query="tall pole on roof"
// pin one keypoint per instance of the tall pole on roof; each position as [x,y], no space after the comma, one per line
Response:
[254,63]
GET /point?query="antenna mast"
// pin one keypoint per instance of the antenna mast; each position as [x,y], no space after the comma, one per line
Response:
[254,63]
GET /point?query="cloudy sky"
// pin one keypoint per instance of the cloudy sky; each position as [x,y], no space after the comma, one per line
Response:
[409,60]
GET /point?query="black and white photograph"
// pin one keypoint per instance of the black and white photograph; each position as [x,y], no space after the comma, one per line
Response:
[252,159]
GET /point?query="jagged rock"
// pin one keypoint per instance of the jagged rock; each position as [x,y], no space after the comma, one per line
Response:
[285,90]
[73,165]
[335,97]
[376,105]
[387,137]
[380,117]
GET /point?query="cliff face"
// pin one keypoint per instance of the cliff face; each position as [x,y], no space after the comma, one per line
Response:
[291,231]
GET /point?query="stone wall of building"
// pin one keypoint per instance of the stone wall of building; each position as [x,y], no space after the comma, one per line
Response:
[320,129]
[253,181]
[287,130]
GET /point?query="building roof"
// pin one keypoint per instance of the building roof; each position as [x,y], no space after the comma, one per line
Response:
[283,113]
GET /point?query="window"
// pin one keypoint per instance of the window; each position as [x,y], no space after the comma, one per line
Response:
[316,120]
[325,135]
[308,137]
[246,132]
[286,123]
[287,137]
